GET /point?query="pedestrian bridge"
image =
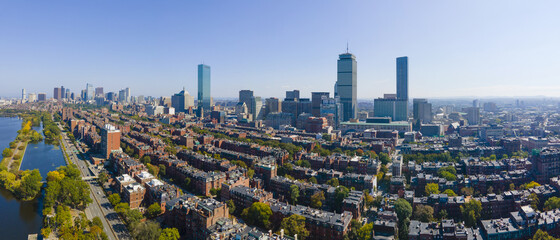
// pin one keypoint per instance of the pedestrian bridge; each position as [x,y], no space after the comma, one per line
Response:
[89,178]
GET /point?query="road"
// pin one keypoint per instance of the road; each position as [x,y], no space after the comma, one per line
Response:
[100,207]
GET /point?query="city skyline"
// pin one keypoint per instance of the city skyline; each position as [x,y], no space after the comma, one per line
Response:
[509,52]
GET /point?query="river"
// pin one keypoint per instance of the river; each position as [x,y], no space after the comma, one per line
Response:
[18,218]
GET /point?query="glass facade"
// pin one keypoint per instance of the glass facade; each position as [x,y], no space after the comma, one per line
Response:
[204,86]
[346,85]
[397,109]
[402,78]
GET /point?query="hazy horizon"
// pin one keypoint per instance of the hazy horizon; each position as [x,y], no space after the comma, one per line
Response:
[474,49]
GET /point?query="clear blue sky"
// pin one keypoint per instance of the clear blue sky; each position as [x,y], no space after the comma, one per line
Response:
[455,48]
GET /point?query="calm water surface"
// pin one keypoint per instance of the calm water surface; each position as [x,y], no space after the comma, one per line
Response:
[18,219]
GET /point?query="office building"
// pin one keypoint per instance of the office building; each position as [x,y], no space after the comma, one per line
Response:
[89,94]
[182,101]
[127,94]
[331,110]
[23,95]
[292,95]
[67,94]
[396,109]
[57,94]
[42,97]
[62,92]
[402,78]
[273,105]
[346,85]
[32,97]
[99,91]
[204,99]
[122,95]
[110,140]
[256,105]
[112,96]
[316,100]
[246,96]
[422,110]
[473,115]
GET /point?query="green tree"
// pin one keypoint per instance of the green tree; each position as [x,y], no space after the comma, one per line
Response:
[366,232]
[313,180]
[231,206]
[30,185]
[542,235]
[258,214]
[71,171]
[552,203]
[471,212]
[403,228]
[169,234]
[295,224]
[103,177]
[294,193]
[424,213]
[153,210]
[145,159]
[449,193]
[317,199]
[467,191]
[250,173]
[114,199]
[384,158]
[122,208]
[534,200]
[7,153]
[530,185]
[153,169]
[96,221]
[133,216]
[432,188]
[148,230]
[403,209]
[162,169]
[333,182]
[340,194]
[443,214]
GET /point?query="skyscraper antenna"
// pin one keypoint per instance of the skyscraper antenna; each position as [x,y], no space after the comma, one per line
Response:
[346,46]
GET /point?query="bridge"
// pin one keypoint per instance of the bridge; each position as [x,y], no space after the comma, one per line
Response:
[89,178]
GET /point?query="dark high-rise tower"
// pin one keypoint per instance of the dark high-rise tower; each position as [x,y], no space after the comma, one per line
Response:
[346,85]
[316,100]
[246,96]
[402,78]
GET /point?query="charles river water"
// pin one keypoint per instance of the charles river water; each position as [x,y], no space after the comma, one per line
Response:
[18,218]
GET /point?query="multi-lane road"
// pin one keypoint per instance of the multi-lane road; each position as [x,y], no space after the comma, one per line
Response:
[100,207]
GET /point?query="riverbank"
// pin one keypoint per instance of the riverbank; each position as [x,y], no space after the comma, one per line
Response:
[13,155]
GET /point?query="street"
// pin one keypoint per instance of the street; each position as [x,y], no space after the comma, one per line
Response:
[100,207]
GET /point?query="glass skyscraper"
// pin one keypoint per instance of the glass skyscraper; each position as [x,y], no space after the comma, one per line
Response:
[204,86]
[346,85]
[89,92]
[402,78]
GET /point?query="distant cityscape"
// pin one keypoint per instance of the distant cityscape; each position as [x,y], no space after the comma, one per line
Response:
[325,167]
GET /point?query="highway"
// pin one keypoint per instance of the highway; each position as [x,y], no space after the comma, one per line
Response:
[100,207]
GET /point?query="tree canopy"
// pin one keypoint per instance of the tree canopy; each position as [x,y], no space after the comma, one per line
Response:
[295,224]
[258,214]
[471,212]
